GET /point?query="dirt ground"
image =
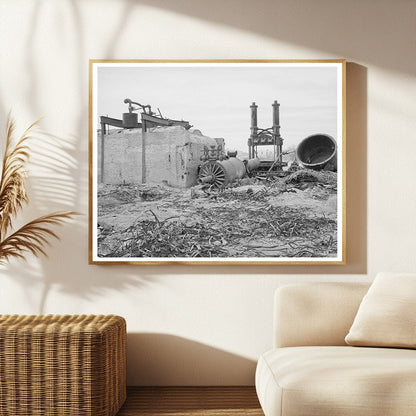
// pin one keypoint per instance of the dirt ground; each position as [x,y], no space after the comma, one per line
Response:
[295,216]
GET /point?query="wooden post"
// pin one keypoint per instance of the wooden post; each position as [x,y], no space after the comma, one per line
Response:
[102,152]
[144,132]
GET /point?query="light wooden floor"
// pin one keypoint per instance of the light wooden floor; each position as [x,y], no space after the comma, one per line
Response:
[187,401]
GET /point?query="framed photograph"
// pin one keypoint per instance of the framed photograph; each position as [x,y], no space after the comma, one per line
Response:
[217,162]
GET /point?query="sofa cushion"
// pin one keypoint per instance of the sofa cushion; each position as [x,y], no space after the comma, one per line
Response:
[342,381]
[387,314]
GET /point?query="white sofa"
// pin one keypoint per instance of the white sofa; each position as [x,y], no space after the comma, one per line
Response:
[311,371]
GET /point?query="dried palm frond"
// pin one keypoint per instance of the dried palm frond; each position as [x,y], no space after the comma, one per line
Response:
[12,183]
[34,236]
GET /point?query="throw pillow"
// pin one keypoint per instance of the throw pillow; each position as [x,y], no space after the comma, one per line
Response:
[387,314]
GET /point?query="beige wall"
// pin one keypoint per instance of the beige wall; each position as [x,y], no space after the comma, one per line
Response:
[205,325]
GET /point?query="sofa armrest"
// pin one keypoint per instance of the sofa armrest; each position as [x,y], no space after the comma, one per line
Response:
[315,313]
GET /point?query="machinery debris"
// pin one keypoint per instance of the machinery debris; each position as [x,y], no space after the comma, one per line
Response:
[168,151]
[318,152]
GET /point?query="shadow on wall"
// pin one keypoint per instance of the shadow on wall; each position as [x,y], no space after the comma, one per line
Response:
[64,183]
[60,182]
[161,359]
[59,186]
[54,187]
[333,27]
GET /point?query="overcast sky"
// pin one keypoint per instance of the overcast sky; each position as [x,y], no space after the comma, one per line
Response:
[216,100]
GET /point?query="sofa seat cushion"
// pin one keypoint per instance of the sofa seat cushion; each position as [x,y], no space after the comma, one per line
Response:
[341,381]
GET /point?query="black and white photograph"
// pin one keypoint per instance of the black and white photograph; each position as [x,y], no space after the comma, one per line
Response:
[217,162]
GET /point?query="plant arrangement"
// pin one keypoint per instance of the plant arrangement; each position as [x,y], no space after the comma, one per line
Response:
[34,236]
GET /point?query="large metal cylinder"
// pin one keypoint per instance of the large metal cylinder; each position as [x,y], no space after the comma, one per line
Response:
[220,173]
[252,164]
[318,152]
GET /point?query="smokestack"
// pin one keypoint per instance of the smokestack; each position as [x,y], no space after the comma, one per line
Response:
[253,129]
[276,131]
[253,119]
[276,117]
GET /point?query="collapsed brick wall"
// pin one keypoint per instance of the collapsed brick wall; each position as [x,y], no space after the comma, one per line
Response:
[172,156]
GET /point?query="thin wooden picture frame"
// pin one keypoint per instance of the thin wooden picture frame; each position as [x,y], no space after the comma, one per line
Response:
[208,162]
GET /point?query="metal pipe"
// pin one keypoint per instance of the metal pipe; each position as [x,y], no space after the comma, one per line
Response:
[206,179]
[253,129]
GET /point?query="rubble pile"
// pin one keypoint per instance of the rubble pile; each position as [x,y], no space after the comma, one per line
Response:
[294,216]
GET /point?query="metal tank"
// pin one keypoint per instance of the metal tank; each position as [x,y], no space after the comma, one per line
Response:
[130,120]
[318,152]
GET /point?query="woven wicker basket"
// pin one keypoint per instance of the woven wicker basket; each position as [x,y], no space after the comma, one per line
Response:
[52,365]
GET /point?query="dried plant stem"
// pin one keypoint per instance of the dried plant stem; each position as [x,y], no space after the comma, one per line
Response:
[34,236]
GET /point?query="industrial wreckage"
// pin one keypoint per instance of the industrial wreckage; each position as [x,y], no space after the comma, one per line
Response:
[253,208]
[170,151]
